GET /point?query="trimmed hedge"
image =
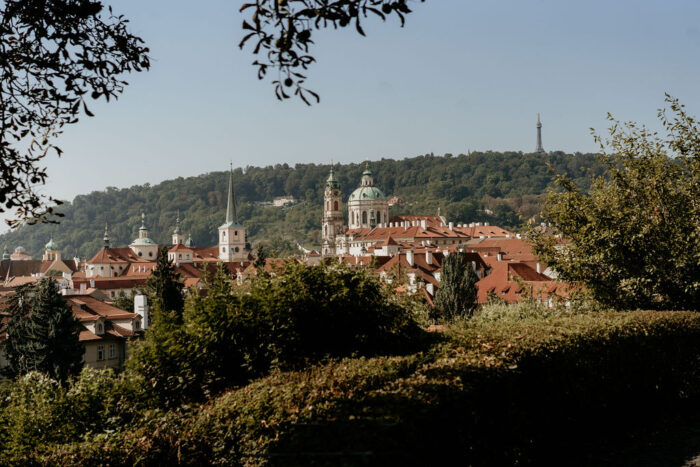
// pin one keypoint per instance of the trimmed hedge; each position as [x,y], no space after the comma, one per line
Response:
[560,390]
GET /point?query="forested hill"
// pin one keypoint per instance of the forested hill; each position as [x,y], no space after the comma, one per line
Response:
[502,188]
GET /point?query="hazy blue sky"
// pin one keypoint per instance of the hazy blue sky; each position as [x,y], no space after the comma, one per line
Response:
[461,75]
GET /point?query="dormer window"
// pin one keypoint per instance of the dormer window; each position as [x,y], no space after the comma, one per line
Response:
[100,328]
[137,326]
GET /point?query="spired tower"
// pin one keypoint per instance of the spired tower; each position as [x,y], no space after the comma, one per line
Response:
[332,215]
[539,149]
[178,237]
[232,237]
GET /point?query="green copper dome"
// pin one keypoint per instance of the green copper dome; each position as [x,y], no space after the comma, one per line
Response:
[51,245]
[144,241]
[367,193]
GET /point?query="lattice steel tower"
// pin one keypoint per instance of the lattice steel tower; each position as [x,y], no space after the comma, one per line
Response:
[539,149]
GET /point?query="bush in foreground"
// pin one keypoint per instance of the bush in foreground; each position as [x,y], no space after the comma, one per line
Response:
[538,390]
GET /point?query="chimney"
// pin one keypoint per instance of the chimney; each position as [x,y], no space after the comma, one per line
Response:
[429,257]
[409,257]
[423,224]
[83,287]
[141,308]
[92,283]
[500,256]
[452,225]
[539,268]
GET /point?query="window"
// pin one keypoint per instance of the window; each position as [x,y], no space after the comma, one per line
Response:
[99,327]
[364,217]
[223,249]
[100,352]
[235,232]
[236,249]
[379,218]
[137,326]
[112,351]
[140,254]
[150,254]
[179,256]
[335,205]
[223,234]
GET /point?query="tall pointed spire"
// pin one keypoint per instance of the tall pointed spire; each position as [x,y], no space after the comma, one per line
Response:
[231,216]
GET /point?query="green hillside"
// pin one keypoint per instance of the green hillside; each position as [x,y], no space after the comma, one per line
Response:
[502,188]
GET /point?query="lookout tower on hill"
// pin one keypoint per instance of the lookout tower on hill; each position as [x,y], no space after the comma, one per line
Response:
[539,149]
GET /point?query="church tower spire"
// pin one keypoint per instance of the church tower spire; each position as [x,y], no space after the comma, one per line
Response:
[232,235]
[332,224]
[231,216]
[105,238]
[539,149]
[178,237]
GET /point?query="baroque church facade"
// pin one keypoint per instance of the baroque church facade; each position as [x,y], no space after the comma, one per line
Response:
[368,208]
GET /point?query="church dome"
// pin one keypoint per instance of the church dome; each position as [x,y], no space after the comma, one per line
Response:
[143,241]
[51,245]
[367,193]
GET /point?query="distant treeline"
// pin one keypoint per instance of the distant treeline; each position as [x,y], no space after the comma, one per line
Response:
[502,188]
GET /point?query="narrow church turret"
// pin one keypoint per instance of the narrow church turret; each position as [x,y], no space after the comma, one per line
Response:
[178,236]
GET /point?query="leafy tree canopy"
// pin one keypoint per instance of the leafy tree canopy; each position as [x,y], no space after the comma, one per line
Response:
[53,54]
[281,33]
[634,239]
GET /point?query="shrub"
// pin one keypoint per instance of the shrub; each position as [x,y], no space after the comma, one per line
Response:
[300,316]
[541,390]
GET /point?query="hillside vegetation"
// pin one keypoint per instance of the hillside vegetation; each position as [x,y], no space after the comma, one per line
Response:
[509,185]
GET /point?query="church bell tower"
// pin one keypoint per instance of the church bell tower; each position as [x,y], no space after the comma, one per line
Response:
[332,216]
[232,235]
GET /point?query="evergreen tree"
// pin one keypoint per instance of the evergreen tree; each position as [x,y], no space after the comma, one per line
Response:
[261,257]
[165,287]
[43,333]
[456,295]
